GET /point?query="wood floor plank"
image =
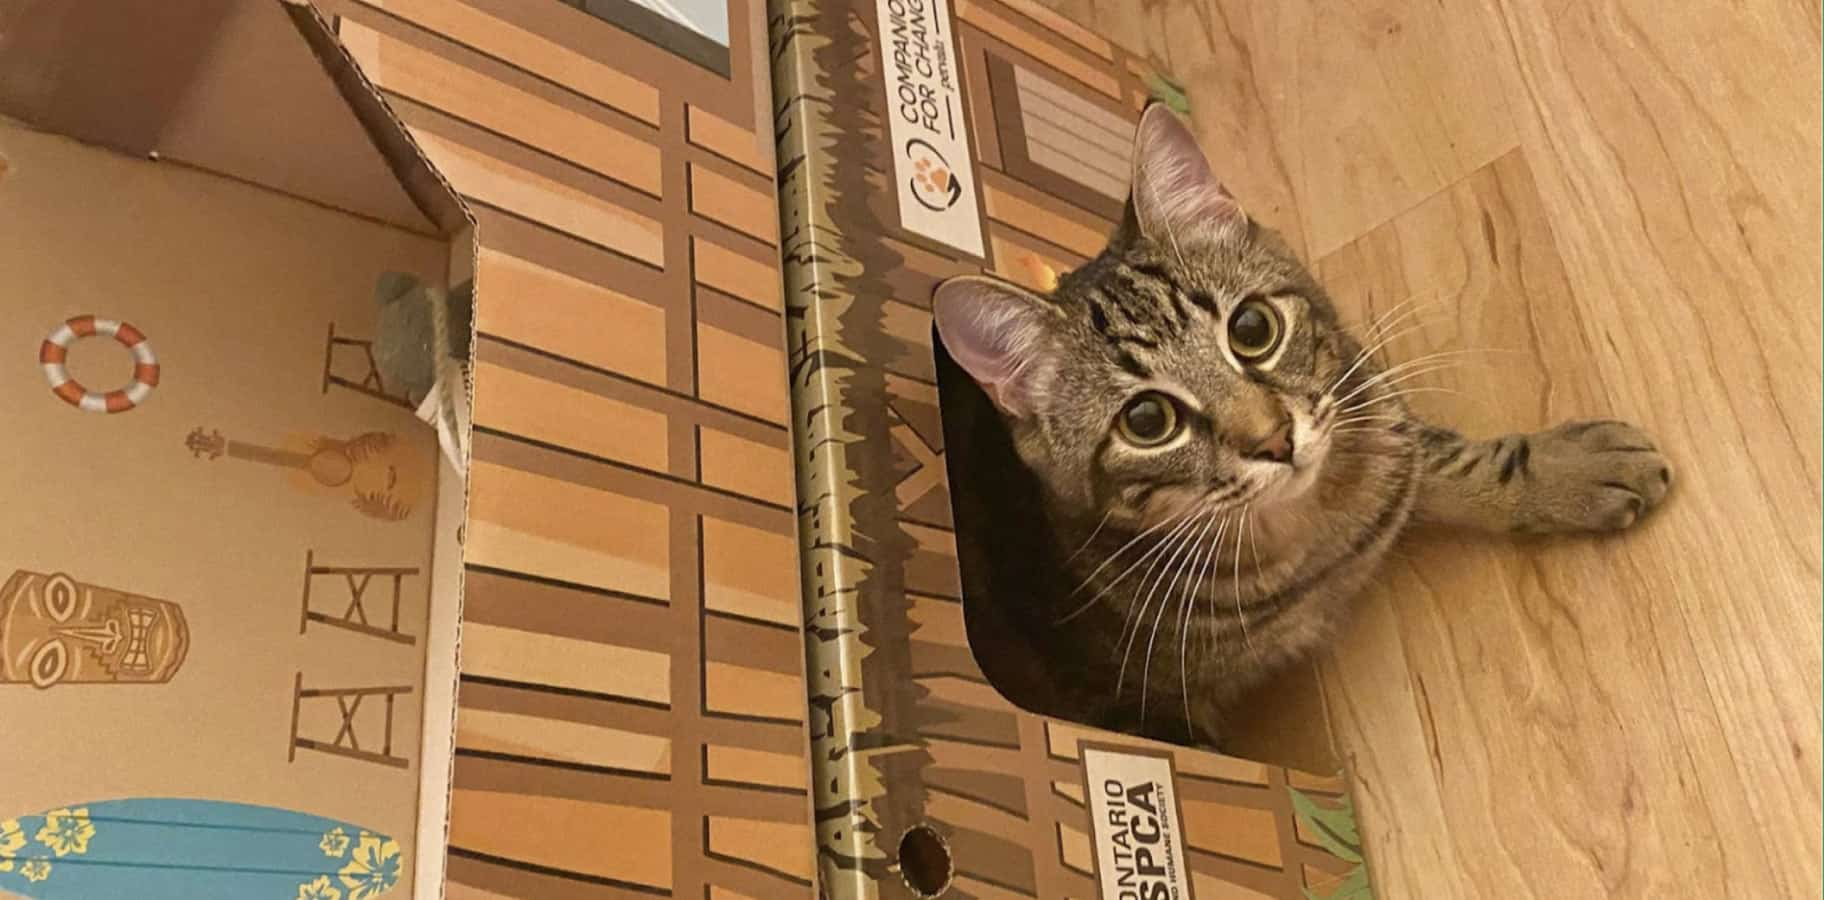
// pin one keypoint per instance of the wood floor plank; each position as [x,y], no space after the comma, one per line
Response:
[1675,153]
[1344,115]
[1560,699]
[1631,717]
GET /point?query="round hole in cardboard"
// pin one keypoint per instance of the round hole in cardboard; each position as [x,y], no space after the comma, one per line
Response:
[924,861]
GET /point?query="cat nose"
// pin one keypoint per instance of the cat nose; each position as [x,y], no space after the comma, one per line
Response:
[1276,446]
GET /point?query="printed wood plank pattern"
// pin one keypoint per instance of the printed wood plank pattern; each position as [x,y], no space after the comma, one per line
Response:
[567,132]
[635,661]
[1625,194]
[718,135]
[541,302]
[531,51]
[533,196]
[1002,24]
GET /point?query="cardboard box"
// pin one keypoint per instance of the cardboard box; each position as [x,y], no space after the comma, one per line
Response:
[631,713]
[231,572]
[921,139]
[631,689]
[633,697]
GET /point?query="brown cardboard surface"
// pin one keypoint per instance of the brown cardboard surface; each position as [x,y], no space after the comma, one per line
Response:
[631,662]
[258,536]
[910,726]
[227,86]
[234,287]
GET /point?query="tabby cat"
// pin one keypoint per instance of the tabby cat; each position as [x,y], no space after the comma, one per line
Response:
[1218,466]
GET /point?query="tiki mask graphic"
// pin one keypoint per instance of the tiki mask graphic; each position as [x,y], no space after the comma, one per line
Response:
[54,629]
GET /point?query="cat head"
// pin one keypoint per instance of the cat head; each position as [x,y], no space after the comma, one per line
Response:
[1194,361]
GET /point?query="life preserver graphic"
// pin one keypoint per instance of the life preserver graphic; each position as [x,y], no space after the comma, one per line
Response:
[55,350]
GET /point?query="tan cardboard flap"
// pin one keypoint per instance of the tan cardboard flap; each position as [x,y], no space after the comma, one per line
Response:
[222,85]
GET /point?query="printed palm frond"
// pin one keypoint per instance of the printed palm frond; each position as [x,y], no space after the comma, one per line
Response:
[1163,89]
[1334,828]
[1336,831]
[375,504]
[1354,887]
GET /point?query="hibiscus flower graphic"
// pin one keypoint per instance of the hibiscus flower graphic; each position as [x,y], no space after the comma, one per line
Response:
[374,868]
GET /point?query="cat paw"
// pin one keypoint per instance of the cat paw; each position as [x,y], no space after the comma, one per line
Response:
[1593,476]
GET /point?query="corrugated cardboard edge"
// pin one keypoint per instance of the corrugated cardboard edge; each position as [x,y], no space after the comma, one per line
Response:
[433,194]
[429,190]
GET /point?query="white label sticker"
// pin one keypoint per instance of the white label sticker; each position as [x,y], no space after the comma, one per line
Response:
[931,164]
[1134,811]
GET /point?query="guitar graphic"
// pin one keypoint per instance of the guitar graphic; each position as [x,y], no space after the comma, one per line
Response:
[381,477]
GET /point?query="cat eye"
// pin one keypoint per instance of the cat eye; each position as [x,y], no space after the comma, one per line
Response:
[1254,330]
[1148,420]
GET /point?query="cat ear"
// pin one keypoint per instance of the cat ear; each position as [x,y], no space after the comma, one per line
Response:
[1003,336]
[1176,197]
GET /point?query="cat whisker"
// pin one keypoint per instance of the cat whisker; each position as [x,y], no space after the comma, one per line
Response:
[1449,356]
[1142,535]
[1186,519]
[1405,312]
[1363,356]
[1404,377]
[1166,543]
[1368,352]
[1404,392]
[1429,362]
[1350,420]
[1236,577]
[1152,641]
[1208,501]
[1254,551]
[1092,536]
[1139,617]
[1376,322]
[1192,588]
[1193,583]
[1134,611]
[1376,342]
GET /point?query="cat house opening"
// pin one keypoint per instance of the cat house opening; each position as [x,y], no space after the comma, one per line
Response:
[924,861]
[1016,588]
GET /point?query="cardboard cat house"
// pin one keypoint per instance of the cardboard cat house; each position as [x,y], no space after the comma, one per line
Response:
[649,697]
[918,141]
[229,589]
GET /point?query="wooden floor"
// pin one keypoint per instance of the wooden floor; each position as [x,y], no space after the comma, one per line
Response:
[1622,200]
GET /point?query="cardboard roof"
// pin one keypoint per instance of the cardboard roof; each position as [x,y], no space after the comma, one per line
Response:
[226,86]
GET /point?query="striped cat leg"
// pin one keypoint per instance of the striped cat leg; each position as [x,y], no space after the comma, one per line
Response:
[1577,477]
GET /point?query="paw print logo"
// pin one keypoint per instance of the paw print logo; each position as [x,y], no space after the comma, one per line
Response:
[932,177]
[934,183]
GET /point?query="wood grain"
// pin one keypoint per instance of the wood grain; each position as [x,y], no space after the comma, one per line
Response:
[1359,113]
[1620,200]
